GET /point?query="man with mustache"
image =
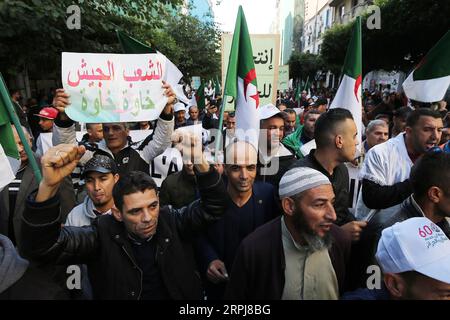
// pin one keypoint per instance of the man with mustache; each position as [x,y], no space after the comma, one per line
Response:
[299,256]
[387,166]
[100,175]
[140,251]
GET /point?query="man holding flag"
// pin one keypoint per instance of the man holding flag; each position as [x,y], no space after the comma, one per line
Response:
[241,84]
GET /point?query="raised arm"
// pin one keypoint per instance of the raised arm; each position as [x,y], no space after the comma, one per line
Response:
[43,237]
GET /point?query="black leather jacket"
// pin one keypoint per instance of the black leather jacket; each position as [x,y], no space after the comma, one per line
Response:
[106,249]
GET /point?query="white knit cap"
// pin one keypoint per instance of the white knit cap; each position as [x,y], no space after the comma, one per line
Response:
[300,179]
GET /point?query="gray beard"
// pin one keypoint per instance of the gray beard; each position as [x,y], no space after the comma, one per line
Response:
[313,241]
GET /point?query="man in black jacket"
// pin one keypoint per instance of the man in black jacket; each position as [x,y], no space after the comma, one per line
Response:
[335,134]
[138,252]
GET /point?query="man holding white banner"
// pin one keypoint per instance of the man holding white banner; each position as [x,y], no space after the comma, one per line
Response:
[116,142]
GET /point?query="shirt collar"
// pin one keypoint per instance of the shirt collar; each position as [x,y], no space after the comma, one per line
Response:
[416,205]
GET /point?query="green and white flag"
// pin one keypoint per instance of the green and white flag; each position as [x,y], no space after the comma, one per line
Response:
[348,95]
[9,155]
[241,83]
[200,96]
[431,78]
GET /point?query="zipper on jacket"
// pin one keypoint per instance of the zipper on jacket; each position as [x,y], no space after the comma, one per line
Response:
[137,267]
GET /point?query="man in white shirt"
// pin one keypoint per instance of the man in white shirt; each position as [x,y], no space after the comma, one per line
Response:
[386,168]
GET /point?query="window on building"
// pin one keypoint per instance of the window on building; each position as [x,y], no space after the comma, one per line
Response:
[342,11]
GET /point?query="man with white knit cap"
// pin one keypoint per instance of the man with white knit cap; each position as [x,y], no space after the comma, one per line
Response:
[301,255]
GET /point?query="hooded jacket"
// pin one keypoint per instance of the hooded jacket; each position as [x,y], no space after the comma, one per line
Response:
[82,215]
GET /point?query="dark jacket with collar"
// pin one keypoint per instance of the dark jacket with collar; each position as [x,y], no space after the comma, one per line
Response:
[27,185]
[179,189]
[258,269]
[106,249]
[340,183]
[363,253]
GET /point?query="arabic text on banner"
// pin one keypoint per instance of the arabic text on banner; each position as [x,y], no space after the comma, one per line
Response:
[265,49]
[114,87]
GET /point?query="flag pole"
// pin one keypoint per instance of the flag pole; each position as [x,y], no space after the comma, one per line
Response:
[219,137]
[13,116]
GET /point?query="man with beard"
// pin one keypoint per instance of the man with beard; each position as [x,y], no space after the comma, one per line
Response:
[301,255]
[387,166]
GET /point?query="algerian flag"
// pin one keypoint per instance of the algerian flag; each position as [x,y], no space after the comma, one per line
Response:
[172,74]
[200,96]
[9,155]
[241,84]
[431,78]
[348,95]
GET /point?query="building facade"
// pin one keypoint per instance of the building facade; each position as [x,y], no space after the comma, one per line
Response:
[288,23]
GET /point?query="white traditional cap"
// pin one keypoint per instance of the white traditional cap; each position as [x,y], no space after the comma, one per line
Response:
[300,179]
[179,107]
[268,111]
[416,244]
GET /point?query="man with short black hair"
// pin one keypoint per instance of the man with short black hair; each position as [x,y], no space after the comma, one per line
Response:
[100,174]
[336,139]
[94,133]
[430,181]
[141,251]
[289,121]
[386,168]
[320,105]
[303,134]
[399,120]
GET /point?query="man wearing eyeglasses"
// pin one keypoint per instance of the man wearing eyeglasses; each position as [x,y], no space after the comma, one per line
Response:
[116,141]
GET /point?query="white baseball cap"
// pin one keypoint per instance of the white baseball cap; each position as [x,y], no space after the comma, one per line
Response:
[179,107]
[267,111]
[416,244]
